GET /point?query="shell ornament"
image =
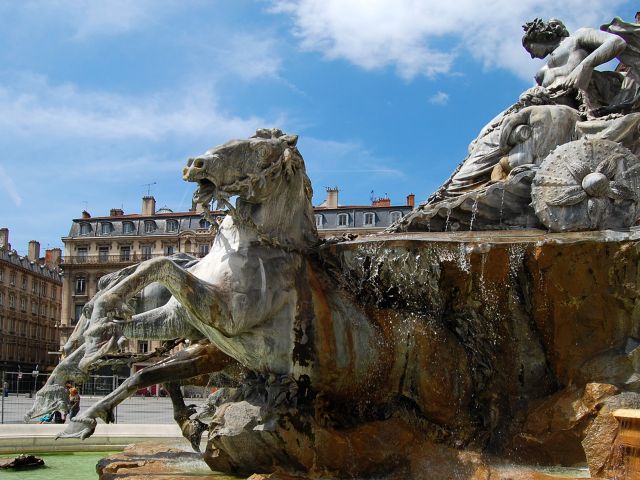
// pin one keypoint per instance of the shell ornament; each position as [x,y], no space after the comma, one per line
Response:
[587,185]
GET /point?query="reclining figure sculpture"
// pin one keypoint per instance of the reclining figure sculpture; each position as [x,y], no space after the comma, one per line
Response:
[573,103]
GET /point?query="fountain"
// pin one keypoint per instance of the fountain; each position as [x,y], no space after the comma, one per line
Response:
[451,346]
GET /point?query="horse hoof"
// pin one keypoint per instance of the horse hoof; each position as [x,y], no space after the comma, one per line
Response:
[79,428]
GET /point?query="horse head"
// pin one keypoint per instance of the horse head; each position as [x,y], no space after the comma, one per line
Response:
[267,175]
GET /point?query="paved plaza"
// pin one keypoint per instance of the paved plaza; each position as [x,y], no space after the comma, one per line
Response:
[149,410]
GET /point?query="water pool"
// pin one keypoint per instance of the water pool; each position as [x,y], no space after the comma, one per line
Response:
[61,466]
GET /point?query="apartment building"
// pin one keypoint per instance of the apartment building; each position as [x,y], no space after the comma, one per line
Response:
[30,307]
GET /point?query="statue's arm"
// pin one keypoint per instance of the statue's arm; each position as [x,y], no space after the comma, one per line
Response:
[603,46]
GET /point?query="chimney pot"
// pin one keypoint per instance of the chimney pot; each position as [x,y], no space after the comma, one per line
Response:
[332,197]
[4,239]
[34,251]
[411,199]
[148,205]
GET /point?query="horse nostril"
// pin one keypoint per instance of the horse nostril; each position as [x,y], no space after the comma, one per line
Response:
[199,163]
[189,162]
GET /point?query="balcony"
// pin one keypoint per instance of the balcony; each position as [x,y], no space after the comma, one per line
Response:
[108,259]
[118,259]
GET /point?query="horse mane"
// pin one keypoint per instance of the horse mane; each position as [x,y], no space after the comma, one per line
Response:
[285,168]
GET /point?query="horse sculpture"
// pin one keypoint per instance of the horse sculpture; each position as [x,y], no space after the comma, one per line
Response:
[263,297]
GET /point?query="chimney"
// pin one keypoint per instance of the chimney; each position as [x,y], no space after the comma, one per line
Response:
[85,214]
[411,200]
[148,205]
[4,239]
[332,198]
[116,212]
[381,202]
[34,251]
[52,257]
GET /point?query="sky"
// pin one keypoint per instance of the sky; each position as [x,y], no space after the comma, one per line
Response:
[100,98]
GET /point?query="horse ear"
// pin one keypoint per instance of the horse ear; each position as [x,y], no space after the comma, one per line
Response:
[291,140]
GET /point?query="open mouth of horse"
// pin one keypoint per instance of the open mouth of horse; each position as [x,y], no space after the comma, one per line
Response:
[205,192]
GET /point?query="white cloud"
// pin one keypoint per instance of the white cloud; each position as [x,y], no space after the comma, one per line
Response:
[440,98]
[88,18]
[10,187]
[409,34]
[32,106]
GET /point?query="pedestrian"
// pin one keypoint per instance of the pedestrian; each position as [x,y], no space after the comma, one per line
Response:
[74,400]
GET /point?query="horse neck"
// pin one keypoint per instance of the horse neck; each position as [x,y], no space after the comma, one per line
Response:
[284,218]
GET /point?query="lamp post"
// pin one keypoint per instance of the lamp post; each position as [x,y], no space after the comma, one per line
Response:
[35,374]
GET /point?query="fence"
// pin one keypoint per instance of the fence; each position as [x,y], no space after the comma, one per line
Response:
[148,405]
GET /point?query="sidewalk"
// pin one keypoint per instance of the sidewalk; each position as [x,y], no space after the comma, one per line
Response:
[28,438]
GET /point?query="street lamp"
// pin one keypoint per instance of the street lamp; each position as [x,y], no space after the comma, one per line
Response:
[35,374]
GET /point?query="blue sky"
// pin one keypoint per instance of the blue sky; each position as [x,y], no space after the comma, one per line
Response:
[98,98]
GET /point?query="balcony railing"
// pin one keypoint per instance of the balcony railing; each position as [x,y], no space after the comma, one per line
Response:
[134,257]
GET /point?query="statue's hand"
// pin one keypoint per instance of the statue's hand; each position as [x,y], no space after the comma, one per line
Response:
[578,79]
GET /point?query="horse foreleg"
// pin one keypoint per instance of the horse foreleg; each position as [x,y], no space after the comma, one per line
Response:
[191,429]
[206,302]
[190,362]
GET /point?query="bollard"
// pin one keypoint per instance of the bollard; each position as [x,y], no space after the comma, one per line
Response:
[4,394]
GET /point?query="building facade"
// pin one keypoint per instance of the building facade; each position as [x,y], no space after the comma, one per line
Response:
[30,307]
[333,219]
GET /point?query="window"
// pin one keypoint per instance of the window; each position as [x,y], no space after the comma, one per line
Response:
[149,226]
[34,287]
[204,223]
[369,218]
[81,285]
[85,229]
[24,282]
[319,221]
[1,274]
[343,220]
[23,304]
[127,227]
[43,289]
[1,298]
[395,216]
[82,254]
[172,226]
[77,313]
[171,250]
[146,252]
[12,300]
[203,249]
[43,309]
[12,278]
[143,346]
[103,254]
[34,308]
[125,254]
[106,228]
[54,293]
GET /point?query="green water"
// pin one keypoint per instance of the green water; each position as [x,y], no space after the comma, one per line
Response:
[60,466]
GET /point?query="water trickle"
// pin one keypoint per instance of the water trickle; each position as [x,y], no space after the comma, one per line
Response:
[501,204]
[446,223]
[474,211]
